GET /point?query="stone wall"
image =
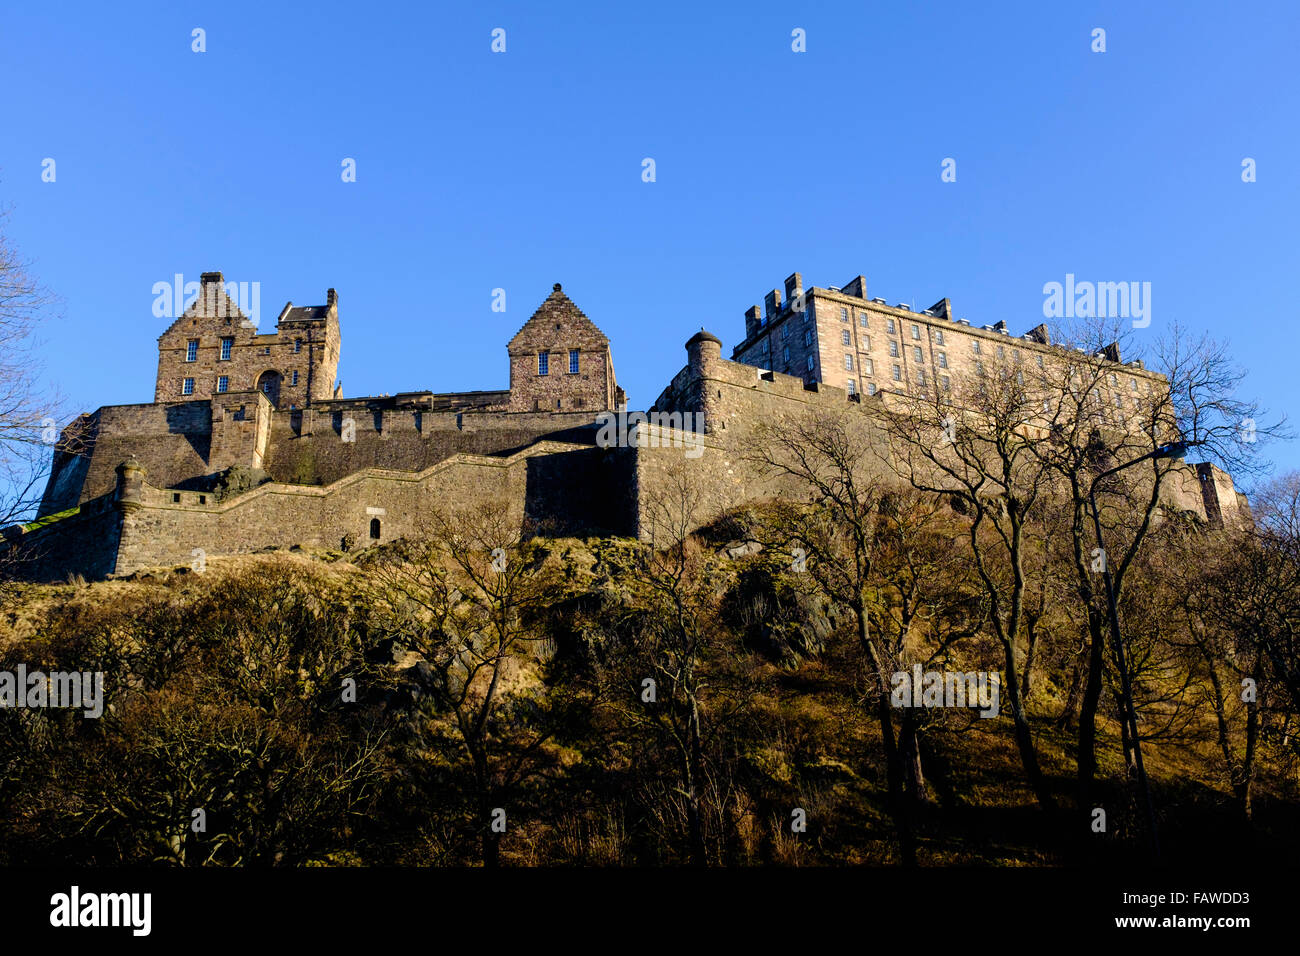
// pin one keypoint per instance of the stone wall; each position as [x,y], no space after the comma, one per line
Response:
[84,543]
[566,485]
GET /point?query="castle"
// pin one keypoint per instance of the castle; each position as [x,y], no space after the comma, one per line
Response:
[249,443]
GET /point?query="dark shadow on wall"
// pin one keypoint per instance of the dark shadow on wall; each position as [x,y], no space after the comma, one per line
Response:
[197,429]
[572,494]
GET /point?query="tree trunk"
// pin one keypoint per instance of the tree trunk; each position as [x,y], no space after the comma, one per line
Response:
[1024,737]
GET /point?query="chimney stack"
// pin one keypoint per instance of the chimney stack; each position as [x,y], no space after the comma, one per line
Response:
[793,287]
[772,303]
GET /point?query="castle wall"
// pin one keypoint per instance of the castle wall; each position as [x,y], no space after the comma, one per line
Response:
[735,397]
[310,447]
[85,543]
[566,485]
[173,441]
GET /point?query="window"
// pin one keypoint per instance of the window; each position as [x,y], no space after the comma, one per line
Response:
[917,355]
[573,361]
[871,388]
[1016,355]
[810,363]
[1113,379]
[893,349]
[938,336]
[808,312]
[293,380]
[975,346]
[848,362]
[187,387]
[223,384]
[864,342]
[374,529]
[297,345]
[862,320]
[845,337]
[267,350]
[1020,377]
[1040,361]
[844,315]
[979,368]
[807,336]
[898,373]
[1119,400]
[916,332]
[1002,354]
[785,332]
[889,326]
[867,367]
[226,345]
[1133,384]
[944,382]
[943,360]
[853,388]
[785,354]
[543,362]
[192,350]
[176,497]
[920,377]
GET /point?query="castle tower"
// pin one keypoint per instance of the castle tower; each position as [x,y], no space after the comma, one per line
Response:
[560,361]
[214,347]
[703,353]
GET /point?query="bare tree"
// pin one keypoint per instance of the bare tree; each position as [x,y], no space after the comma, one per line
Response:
[458,594]
[827,456]
[975,446]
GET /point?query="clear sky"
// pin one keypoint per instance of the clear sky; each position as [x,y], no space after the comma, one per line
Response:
[478,170]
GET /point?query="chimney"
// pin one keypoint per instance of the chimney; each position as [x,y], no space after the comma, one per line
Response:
[772,303]
[1039,333]
[857,287]
[1111,352]
[753,322]
[793,287]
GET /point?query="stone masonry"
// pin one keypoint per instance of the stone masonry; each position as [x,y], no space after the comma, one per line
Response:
[136,486]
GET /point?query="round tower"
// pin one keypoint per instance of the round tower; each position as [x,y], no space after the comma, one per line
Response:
[703,356]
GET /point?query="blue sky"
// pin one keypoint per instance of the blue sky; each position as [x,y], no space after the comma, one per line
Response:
[478,170]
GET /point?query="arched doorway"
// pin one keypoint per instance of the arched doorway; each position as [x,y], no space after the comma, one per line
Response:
[268,383]
[374,529]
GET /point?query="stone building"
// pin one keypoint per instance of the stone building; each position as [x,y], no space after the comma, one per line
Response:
[837,336]
[261,450]
[213,348]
